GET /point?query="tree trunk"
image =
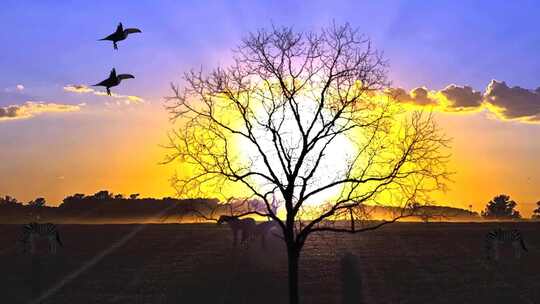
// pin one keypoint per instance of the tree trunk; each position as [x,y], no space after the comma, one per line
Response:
[293,259]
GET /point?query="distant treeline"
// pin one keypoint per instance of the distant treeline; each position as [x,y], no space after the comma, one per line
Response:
[105,206]
[423,213]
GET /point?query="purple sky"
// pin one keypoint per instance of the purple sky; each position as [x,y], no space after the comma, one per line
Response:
[94,142]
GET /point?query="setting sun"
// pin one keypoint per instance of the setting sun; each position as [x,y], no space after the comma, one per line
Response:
[269,151]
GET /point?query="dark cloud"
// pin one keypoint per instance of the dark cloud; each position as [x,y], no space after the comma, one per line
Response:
[508,103]
[418,96]
[462,98]
[9,112]
[513,102]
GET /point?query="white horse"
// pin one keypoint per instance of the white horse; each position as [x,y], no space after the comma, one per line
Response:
[246,226]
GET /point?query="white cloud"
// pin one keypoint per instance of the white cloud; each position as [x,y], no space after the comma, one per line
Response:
[19,87]
[78,88]
[83,89]
[31,109]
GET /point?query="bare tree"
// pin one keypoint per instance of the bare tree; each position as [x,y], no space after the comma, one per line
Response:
[275,120]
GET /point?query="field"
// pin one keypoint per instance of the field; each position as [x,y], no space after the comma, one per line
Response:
[400,263]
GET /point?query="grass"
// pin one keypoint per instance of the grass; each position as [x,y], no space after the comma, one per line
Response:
[400,263]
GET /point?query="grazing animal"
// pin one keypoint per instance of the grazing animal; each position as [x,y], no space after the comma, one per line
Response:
[34,230]
[246,226]
[497,237]
[262,230]
[113,80]
[120,34]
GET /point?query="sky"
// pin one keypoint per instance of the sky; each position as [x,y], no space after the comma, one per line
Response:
[58,137]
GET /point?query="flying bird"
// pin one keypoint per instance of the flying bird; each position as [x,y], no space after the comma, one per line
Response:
[113,80]
[120,34]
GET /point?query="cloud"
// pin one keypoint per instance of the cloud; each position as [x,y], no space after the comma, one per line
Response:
[19,87]
[31,109]
[507,103]
[83,89]
[461,98]
[78,88]
[513,103]
[418,96]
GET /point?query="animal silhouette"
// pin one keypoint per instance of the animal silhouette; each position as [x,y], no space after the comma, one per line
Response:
[34,230]
[113,80]
[120,34]
[246,226]
[498,237]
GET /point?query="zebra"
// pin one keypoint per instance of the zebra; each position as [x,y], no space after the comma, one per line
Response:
[498,236]
[246,226]
[33,230]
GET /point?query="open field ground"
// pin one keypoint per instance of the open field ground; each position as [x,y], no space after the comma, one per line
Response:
[400,263]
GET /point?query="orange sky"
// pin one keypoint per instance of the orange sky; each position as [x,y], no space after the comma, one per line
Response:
[492,157]
[67,139]
[109,149]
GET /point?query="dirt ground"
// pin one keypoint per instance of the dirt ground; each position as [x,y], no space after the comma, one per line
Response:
[400,263]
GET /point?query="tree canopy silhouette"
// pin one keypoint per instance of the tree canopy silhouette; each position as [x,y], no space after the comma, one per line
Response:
[9,201]
[501,207]
[536,212]
[288,99]
[38,202]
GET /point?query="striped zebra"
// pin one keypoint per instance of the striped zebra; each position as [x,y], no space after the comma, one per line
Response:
[34,230]
[497,237]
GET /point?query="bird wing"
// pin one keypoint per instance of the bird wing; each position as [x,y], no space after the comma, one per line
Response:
[132,30]
[110,37]
[103,83]
[125,76]
[112,75]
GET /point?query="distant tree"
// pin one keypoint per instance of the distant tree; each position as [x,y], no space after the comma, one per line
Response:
[38,202]
[119,197]
[536,212]
[501,207]
[8,200]
[428,212]
[74,199]
[134,196]
[103,195]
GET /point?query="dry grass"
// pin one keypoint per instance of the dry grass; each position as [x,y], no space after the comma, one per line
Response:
[401,263]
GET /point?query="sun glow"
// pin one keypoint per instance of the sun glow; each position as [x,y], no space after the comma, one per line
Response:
[332,166]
